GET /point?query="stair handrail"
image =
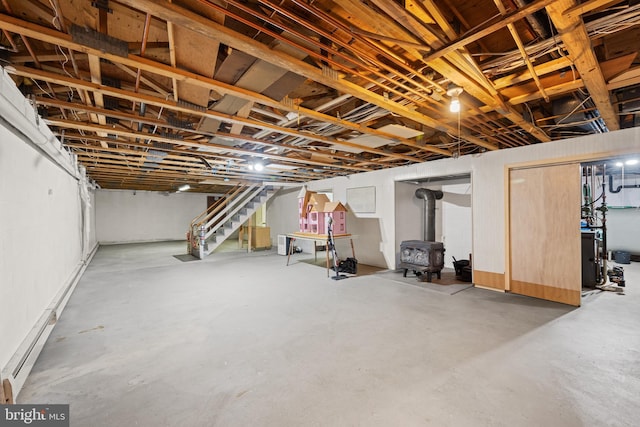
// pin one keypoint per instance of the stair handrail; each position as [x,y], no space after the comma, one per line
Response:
[231,208]
[215,207]
[194,228]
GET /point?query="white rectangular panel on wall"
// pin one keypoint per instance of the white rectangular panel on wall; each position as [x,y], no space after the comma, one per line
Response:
[362,199]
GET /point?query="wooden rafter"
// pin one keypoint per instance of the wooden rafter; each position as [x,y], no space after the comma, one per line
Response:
[574,35]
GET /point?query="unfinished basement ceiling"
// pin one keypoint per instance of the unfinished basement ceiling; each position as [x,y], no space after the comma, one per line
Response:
[151,95]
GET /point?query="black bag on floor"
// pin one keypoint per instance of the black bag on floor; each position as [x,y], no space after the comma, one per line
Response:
[349,265]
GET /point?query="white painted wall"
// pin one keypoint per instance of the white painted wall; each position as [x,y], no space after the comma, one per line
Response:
[93,239]
[456,222]
[623,222]
[488,176]
[408,214]
[623,230]
[145,216]
[41,227]
[280,216]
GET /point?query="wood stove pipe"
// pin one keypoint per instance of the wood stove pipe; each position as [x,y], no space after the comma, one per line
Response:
[429,197]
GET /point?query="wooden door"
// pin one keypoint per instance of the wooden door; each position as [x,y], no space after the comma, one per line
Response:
[544,233]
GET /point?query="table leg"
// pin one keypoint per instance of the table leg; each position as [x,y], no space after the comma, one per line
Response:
[291,240]
[326,250]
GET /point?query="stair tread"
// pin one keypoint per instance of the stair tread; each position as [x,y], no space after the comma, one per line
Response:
[239,217]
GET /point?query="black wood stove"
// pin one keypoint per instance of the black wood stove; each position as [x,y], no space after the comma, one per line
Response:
[422,257]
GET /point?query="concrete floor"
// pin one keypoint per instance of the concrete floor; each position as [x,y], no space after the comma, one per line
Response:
[237,340]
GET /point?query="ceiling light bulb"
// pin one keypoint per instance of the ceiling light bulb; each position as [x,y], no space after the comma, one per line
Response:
[619,164]
[631,162]
[184,187]
[454,107]
[258,166]
[454,91]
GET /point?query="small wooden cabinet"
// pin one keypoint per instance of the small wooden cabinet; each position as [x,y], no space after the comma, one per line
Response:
[260,237]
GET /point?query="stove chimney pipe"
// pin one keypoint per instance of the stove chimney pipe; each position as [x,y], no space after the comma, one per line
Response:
[429,197]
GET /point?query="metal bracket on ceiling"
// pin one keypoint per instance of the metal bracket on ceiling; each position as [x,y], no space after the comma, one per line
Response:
[102,5]
[92,38]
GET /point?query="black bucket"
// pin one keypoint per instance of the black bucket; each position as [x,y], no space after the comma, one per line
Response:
[460,265]
[622,257]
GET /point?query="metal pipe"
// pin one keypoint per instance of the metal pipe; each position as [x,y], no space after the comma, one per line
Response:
[620,187]
[533,21]
[429,197]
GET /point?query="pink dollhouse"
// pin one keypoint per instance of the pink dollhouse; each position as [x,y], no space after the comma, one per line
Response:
[315,209]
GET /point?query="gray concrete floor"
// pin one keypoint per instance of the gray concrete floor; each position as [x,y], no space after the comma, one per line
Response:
[243,340]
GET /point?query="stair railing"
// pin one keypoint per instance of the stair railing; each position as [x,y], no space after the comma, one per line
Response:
[232,207]
[195,228]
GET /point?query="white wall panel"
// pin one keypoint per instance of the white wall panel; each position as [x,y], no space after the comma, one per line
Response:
[623,230]
[487,171]
[145,216]
[456,222]
[40,237]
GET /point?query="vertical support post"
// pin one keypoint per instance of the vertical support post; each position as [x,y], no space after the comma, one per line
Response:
[203,242]
[249,235]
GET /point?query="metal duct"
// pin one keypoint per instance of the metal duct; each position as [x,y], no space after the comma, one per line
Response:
[429,197]
[574,114]
[536,23]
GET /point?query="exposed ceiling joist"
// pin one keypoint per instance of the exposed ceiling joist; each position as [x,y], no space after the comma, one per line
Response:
[155,94]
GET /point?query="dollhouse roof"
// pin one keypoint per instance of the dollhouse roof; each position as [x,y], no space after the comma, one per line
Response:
[334,207]
[305,196]
[318,201]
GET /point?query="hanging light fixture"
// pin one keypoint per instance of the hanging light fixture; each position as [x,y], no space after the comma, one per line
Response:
[454,92]
[256,165]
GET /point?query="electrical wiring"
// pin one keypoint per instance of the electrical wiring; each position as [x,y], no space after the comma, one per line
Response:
[572,124]
[559,122]
[40,87]
[606,25]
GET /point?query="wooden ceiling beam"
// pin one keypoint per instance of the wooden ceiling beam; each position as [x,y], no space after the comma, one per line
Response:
[214,148]
[119,158]
[588,6]
[551,91]
[162,123]
[172,105]
[523,51]
[487,28]
[178,15]
[576,39]
[474,82]
[153,85]
[183,158]
[52,36]
[96,77]
[220,159]
[172,58]
[540,70]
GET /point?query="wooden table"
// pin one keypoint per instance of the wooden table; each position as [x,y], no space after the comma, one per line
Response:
[323,238]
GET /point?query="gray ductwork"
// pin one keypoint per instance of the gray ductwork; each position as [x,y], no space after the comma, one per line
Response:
[429,197]
[536,24]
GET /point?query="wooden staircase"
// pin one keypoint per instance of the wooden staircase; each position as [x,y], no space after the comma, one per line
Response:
[208,230]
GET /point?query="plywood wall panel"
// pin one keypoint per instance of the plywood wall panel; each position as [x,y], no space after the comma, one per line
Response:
[544,215]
